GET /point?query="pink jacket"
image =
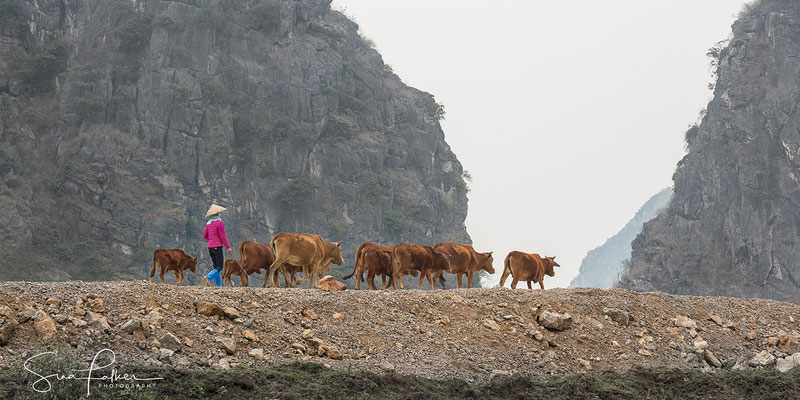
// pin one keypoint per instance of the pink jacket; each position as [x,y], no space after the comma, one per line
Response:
[215,234]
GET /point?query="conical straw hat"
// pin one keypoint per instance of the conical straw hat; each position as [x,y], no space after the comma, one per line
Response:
[214,209]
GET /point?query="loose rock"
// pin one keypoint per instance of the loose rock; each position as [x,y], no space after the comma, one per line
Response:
[619,316]
[788,363]
[762,359]
[227,344]
[554,321]
[208,309]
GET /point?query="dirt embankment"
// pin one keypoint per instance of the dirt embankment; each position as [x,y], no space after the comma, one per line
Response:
[465,333]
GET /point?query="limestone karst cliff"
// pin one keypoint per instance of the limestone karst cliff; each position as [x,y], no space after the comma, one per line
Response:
[733,226]
[121,121]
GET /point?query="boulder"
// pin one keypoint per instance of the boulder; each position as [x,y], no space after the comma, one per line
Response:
[330,284]
[45,326]
[26,314]
[787,363]
[554,321]
[712,359]
[619,316]
[685,322]
[130,326]
[97,321]
[165,353]
[231,312]
[256,353]
[227,344]
[208,309]
[249,335]
[170,341]
[6,330]
[762,359]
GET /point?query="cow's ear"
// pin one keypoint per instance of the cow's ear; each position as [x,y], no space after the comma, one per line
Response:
[339,244]
[490,253]
[194,258]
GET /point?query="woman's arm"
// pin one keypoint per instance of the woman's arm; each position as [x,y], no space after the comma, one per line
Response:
[221,231]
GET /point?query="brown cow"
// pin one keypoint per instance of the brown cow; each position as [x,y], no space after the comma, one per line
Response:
[172,260]
[375,264]
[527,267]
[465,261]
[375,259]
[232,267]
[426,260]
[253,257]
[306,250]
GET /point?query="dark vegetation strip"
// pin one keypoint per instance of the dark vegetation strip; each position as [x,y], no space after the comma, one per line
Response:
[313,381]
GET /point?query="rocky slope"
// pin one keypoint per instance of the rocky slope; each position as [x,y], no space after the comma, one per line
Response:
[466,333]
[121,121]
[733,226]
[601,268]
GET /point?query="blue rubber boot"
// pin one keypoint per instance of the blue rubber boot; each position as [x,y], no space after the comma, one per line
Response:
[213,276]
[217,278]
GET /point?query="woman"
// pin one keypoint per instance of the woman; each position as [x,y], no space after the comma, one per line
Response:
[214,234]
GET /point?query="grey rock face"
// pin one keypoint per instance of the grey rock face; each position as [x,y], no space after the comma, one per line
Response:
[122,122]
[601,268]
[733,226]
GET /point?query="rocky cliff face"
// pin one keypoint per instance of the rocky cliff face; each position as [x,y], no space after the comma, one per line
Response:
[601,268]
[733,226]
[121,121]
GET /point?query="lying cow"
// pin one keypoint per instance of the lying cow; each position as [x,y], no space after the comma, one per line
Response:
[172,260]
[374,259]
[309,251]
[253,257]
[465,260]
[407,257]
[527,267]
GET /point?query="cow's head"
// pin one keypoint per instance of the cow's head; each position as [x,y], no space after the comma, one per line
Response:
[487,262]
[193,264]
[549,263]
[336,254]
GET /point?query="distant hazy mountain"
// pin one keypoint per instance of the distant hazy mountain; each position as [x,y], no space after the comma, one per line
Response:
[601,266]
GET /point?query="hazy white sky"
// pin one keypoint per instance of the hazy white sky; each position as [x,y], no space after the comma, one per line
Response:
[569,115]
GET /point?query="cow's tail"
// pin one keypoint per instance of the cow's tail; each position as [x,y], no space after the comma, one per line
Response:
[506,270]
[395,267]
[242,258]
[153,270]
[358,259]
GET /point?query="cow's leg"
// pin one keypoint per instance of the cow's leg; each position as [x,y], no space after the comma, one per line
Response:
[421,278]
[161,275]
[371,280]
[514,283]
[311,278]
[469,279]
[384,277]
[541,283]
[177,276]
[458,279]
[242,279]
[529,285]
[182,276]
[271,270]
[431,281]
